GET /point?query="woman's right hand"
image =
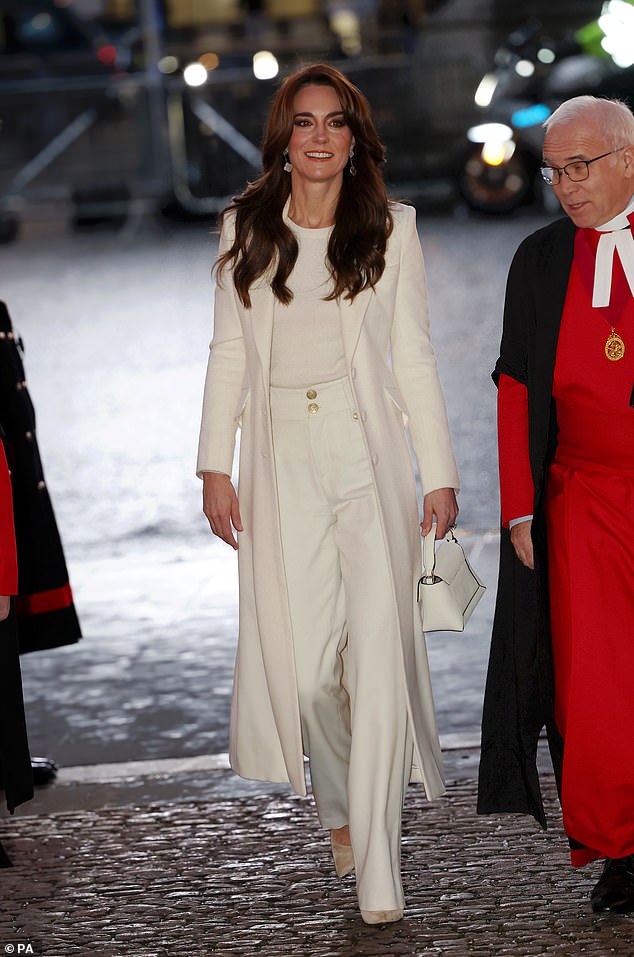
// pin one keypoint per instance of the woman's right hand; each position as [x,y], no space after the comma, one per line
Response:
[5,606]
[220,505]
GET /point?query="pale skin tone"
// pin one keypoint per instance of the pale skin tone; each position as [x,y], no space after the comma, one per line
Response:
[590,203]
[610,183]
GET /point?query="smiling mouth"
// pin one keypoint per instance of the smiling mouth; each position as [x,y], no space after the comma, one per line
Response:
[314,154]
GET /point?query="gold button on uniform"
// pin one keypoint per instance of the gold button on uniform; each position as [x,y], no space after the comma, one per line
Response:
[355,415]
[311,394]
[313,408]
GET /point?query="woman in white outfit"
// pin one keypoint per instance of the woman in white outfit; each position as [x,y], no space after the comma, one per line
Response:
[321,355]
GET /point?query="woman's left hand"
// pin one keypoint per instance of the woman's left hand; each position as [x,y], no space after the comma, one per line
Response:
[440,504]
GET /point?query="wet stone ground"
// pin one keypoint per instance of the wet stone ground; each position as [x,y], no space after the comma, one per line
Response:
[254,878]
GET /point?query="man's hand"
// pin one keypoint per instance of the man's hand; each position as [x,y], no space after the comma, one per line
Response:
[5,606]
[440,504]
[523,543]
[220,505]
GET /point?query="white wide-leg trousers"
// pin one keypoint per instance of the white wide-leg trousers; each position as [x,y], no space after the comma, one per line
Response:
[347,648]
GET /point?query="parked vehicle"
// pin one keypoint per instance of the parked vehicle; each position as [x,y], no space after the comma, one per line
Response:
[497,161]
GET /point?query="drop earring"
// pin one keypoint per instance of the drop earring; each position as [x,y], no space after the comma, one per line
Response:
[353,168]
[288,166]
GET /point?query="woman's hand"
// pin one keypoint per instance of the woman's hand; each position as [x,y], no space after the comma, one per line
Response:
[523,543]
[440,504]
[220,505]
[5,606]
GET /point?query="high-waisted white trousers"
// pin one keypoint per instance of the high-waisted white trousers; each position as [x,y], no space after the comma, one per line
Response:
[347,647]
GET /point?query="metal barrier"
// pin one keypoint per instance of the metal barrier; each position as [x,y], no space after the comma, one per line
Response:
[130,144]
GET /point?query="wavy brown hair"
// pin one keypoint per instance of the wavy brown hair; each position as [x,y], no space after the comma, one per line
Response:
[363,222]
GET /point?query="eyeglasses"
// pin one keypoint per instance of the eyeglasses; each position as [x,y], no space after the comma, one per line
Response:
[576,171]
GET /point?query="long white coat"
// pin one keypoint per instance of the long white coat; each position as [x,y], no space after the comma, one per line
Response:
[392,370]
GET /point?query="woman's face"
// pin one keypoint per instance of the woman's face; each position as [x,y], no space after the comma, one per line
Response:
[320,143]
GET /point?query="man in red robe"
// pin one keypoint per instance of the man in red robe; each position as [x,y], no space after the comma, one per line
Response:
[562,652]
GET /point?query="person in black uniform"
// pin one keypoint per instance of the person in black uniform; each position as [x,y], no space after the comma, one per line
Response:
[44,609]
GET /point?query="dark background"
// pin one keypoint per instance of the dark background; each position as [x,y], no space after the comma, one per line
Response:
[93,124]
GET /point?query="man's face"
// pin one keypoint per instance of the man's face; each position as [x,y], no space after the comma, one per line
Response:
[610,183]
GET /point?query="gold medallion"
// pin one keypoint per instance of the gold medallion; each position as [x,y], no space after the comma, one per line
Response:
[614,347]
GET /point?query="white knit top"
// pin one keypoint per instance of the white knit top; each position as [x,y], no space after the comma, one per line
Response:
[307,345]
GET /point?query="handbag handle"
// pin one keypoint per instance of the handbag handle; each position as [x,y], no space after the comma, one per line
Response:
[429,554]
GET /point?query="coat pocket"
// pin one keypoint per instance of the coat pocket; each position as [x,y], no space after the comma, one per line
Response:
[242,401]
[394,394]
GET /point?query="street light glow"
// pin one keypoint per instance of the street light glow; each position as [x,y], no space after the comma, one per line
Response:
[195,74]
[494,152]
[546,55]
[265,65]
[617,23]
[168,64]
[210,61]
[487,132]
[525,68]
[486,89]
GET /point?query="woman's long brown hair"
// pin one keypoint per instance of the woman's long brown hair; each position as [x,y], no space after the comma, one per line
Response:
[363,223]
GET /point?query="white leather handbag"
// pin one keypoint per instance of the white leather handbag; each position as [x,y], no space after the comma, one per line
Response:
[449,589]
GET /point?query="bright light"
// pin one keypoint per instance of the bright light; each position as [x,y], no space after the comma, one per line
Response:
[494,153]
[524,68]
[168,64]
[195,74]
[488,132]
[265,65]
[617,23]
[346,24]
[210,61]
[486,89]
[546,55]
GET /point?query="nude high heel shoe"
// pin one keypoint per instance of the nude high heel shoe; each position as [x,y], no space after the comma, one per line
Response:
[381,916]
[342,856]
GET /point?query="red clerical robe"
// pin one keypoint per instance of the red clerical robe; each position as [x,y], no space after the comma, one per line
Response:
[590,523]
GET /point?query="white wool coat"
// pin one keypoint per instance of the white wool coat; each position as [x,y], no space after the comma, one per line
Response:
[393,375]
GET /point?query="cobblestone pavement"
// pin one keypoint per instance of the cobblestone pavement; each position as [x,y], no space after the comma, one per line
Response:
[252,877]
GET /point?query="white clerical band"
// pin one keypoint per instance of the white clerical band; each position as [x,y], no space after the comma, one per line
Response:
[623,242]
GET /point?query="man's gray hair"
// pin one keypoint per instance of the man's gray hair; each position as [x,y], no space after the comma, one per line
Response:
[613,117]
